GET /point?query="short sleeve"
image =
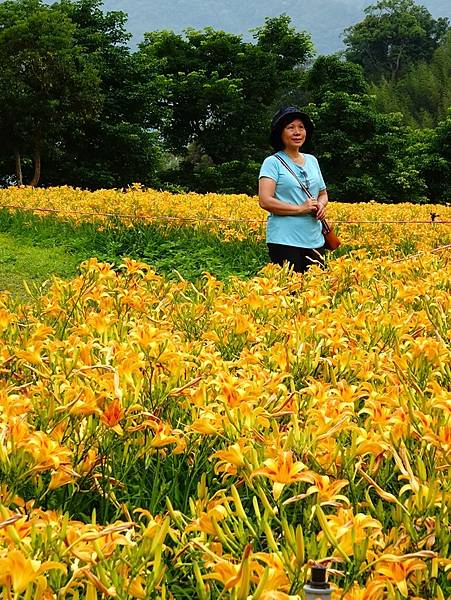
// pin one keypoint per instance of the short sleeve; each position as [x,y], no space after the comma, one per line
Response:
[321,183]
[270,168]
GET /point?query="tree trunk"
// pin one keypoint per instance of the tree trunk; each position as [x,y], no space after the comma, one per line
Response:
[37,159]
[19,176]
[395,69]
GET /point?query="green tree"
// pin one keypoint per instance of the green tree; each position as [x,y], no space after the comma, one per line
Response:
[44,81]
[423,94]
[333,74]
[393,35]
[362,152]
[430,153]
[114,147]
[219,94]
[289,48]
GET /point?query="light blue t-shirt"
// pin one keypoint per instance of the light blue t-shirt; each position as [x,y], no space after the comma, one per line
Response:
[303,231]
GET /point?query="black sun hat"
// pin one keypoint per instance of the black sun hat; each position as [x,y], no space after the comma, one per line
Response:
[286,115]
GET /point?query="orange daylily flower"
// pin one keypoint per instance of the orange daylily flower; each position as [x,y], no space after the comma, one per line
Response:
[61,477]
[274,595]
[112,415]
[164,435]
[285,383]
[397,570]
[79,539]
[327,490]
[441,439]
[232,392]
[232,575]
[88,462]
[32,354]
[276,578]
[18,572]
[204,522]
[18,431]
[6,317]
[20,524]
[208,423]
[86,402]
[14,405]
[46,452]
[372,591]
[283,470]
[230,460]
[242,324]
[351,530]
[137,588]
[226,572]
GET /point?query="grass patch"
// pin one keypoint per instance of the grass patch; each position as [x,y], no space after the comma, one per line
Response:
[34,248]
[21,261]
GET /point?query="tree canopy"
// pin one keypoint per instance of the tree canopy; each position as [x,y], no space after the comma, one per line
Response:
[423,93]
[217,91]
[45,80]
[192,110]
[393,35]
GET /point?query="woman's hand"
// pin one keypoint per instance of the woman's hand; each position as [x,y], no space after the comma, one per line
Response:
[310,206]
[266,191]
[322,204]
[321,211]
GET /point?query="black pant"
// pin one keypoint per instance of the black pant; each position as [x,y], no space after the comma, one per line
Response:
[298,258]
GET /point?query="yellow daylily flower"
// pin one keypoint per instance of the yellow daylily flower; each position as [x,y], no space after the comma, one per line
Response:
[351,530]
[398,571]
[282,471]
[18,571]
[230,460]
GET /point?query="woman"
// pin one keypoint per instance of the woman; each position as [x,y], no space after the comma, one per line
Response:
[294,230]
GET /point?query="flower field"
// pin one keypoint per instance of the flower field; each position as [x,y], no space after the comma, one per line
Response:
[378,228]
[168,439]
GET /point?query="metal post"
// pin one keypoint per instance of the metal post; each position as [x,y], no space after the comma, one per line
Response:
[317,588]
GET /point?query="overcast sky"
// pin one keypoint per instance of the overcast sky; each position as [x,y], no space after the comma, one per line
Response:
[325,20]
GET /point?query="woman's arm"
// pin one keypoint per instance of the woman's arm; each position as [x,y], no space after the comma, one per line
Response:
[266,190]
[323,201]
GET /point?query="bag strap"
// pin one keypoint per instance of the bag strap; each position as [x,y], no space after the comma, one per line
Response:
[304,188]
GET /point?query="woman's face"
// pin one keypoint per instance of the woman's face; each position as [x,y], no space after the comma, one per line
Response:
[294,134]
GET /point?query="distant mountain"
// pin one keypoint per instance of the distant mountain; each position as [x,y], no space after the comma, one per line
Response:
[325,20]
